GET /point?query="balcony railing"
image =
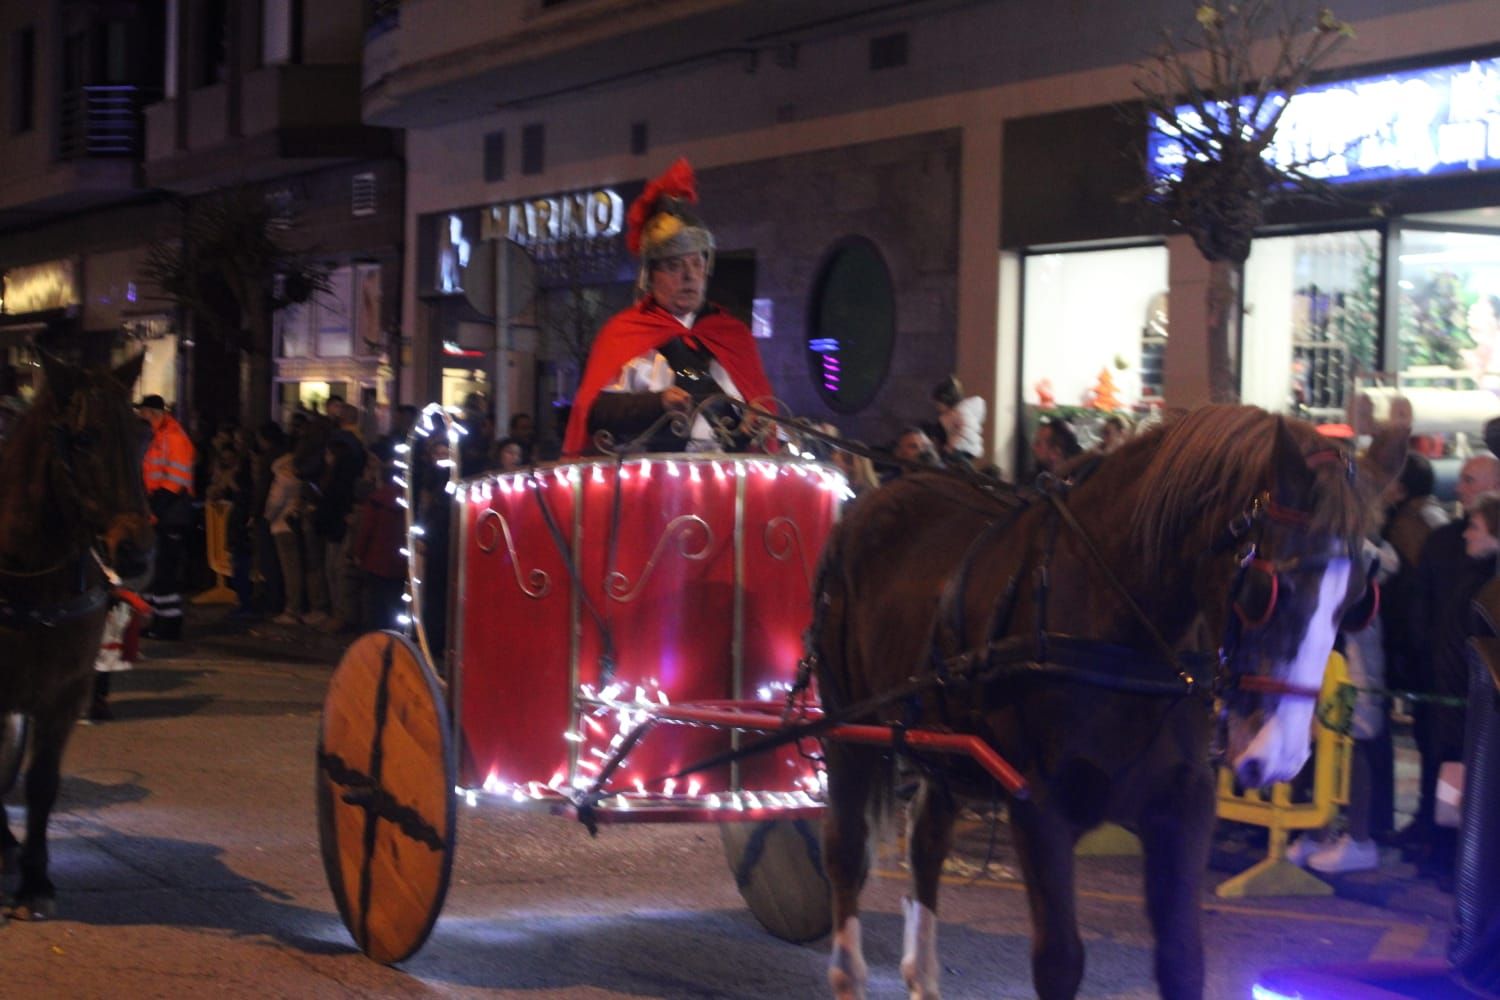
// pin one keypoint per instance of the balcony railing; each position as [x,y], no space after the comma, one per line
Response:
[101,121]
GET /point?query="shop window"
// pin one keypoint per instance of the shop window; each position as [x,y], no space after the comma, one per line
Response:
[23,80]
[1312,322]
[343,321]
[851,329]
[1094,333]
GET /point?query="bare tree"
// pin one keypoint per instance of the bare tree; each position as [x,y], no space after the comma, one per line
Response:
[232,268]
[1222,91]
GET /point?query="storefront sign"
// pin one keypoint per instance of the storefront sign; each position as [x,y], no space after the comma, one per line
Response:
[39,287]
[579,215]
[1413,124]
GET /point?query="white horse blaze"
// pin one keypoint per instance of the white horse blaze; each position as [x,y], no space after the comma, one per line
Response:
[919,964]
[847,973]
[1283,743]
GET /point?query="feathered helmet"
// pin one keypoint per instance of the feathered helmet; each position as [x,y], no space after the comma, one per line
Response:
[663,222]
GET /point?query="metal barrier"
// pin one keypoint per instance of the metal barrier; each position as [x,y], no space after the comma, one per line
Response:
[1276,876]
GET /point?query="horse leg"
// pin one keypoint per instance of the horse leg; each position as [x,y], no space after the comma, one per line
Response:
[846,847]
[36,898]
[929,840]
[1044,846]
[1176,840]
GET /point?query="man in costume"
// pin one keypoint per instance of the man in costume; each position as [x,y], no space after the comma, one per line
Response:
[169,487]
[673,349]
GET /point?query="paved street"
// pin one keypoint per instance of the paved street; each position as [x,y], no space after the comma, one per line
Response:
[186,854]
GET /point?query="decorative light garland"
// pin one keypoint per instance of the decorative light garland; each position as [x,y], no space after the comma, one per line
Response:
[410,620]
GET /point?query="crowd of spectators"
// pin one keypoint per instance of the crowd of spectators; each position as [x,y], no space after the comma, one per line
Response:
[316,527]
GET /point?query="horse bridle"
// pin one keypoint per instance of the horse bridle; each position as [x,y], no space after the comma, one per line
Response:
[1241,617]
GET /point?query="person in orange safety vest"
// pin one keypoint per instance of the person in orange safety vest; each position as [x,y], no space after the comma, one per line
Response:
[168,471]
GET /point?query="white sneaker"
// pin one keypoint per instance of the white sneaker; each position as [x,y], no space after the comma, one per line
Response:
[1346,855]
[1305,847]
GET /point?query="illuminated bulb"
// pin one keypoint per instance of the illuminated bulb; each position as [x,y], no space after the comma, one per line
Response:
[403,620]
[640,786]
[561,476]
[672,469]
[557,780]
[403,503]
[623,802]
[573,737]
[598,474]
[406,597]
[517,795]
[471,798]
[417,529]
[594,724]
[752,801]
[646,467]
[449,487]
[402,449]
[693,471]
[668,786]
[713,801]
[737,802]
[624,475]
[445,463]
[694,786]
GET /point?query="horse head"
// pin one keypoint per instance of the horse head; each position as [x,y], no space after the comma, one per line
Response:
[1288,577]
[98,444]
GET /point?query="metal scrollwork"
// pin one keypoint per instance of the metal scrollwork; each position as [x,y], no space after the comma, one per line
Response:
[539,578]
[784,540]
[617,585]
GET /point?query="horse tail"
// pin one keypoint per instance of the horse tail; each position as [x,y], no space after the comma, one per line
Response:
[831,645]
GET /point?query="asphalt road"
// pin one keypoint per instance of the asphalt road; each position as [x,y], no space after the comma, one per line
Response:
[185,850]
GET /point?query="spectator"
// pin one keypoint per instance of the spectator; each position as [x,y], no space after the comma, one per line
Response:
[343,466]
[523,432]
[168,471]
[913,445]
[1054,445]
[270,444]
[1448,579]
[283,514]
[510,455]
[1113,432]
[229,482]
[376,550]
[118,651]
[857,469]
[962,419]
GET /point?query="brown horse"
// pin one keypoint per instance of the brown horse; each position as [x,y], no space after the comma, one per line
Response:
[72,502]
[1059,629]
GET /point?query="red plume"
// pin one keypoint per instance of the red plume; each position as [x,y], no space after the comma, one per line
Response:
[677,182]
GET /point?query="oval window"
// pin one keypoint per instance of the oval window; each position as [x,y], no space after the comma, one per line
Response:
[851,326]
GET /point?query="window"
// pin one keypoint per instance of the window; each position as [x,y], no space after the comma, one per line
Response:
[494,156]
[338,323]
[362,199]
[1312,321]
[213,44]
[851,329]
[638,139]
[1094,326]
[888,51]
[23,80]
[533,148]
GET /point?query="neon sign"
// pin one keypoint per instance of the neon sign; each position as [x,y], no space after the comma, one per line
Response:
[1421,123]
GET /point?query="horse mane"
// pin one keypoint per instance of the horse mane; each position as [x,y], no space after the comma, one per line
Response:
[25,448]
[1202,470]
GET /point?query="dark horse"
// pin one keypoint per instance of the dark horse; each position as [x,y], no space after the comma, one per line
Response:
[1229,523]
[72,502]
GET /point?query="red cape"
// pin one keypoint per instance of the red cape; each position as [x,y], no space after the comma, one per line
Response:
[644,327]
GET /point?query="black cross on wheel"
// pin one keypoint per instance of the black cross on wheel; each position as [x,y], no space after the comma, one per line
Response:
[386,800]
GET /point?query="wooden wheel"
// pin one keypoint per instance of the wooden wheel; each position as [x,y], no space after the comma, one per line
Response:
[386,801]
[12,748]
[778,868]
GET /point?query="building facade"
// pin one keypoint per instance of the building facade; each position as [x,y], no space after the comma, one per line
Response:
[900,190]
[125,119]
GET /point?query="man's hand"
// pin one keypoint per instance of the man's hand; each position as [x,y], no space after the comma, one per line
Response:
[675,398]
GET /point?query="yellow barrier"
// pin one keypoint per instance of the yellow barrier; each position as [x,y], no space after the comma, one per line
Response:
[220,561]
[1276,876]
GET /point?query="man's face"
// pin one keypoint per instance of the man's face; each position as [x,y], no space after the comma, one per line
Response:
[679,284]
[911,447]
[1041,447]
[1479,475]
[151,416]
[522,429]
